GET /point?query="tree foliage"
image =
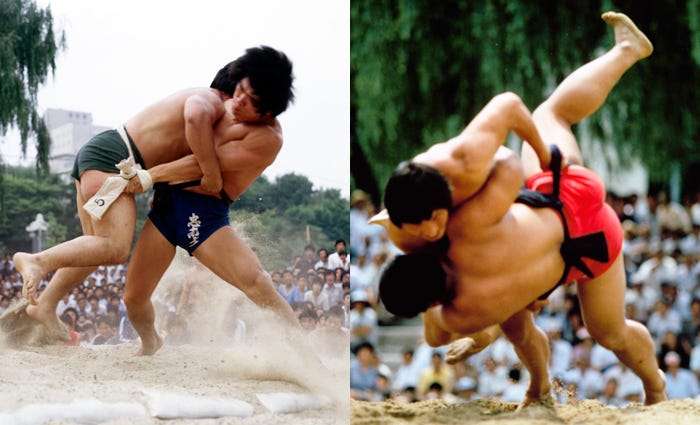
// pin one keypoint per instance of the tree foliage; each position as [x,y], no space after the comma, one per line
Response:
[28,47]
[289,204]
[420,70]
[27,195]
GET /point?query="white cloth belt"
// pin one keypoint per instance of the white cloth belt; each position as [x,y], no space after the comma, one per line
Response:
[115,185]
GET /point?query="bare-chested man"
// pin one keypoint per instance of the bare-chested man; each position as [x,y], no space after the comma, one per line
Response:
[177,126]
[247,140]
[503,255]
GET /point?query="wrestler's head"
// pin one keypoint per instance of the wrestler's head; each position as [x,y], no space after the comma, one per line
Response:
[269,74]
[411,283]
[418,198]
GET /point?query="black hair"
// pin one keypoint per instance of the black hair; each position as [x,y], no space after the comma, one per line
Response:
[411,283]
[414,191]
[269,72]
[361,345]
[307,312]
[337,241]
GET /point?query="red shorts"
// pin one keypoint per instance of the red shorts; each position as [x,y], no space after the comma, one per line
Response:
[583,196]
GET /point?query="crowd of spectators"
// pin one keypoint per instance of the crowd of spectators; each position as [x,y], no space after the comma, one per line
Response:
[662,257]
[316,284]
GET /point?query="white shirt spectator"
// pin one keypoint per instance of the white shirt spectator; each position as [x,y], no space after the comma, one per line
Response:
[664,320]
[320,301]
[695,357]
[588,381]
[560,360]
[602,358]
[681,384]
[334,261]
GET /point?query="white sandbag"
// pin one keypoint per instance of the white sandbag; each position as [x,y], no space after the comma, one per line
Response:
[83,411]
[167,405]
[292,402]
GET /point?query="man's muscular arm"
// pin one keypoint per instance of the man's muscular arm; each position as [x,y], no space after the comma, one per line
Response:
[433,327]
[257,149]
[467,159]
[201,113]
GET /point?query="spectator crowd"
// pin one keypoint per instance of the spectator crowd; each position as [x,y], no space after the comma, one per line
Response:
[316,284]
[662,257]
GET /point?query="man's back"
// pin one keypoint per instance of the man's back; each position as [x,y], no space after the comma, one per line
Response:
[494,260]
[501,252]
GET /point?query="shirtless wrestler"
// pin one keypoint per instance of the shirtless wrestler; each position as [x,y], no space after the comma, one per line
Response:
[505,251]
[179,125]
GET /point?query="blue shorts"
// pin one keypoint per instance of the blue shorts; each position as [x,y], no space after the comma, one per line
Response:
[185,218]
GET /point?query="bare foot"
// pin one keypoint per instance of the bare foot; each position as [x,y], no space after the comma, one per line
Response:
[31,273]
[49,319]
[150,346]
[545,401]
[627,35]
[653,397]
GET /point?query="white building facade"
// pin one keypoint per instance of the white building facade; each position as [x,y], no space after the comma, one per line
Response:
[69,131]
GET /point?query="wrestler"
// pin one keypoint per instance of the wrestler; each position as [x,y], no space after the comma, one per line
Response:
[185,215]
[507,250]
[177,126]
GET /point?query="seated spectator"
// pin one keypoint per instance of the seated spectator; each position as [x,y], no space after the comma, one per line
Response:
[363,373]
[515,389]
[178,332]
[106,333]
[680,382]
[465,389]
[288,289]
[332,289]
[307,261]
[340,258]
[438,372]
[315,296]
[609,396]
[67,319]
[308,319]
[363,320]
[407,374]
[322,262]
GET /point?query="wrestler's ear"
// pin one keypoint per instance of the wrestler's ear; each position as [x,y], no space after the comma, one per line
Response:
[434,229]
[430,229]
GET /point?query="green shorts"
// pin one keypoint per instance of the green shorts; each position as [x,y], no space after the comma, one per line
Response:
[103,152]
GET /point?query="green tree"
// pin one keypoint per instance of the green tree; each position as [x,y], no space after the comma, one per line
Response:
[292,196]
[28,47]
[27,195]
[420,70]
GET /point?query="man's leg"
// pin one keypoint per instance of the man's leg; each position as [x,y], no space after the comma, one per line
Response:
[585,90]
[243,270]
[151,258]
[602,306]
[107,242]
[121,215]
[532,347]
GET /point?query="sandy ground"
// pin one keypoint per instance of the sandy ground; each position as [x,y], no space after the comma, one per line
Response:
[673,412]
[263,362]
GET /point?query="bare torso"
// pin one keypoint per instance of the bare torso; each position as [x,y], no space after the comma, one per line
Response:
[159,130]
[233,138]
[505,265]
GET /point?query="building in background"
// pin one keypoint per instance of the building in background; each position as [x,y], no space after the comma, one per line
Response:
[69,131]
